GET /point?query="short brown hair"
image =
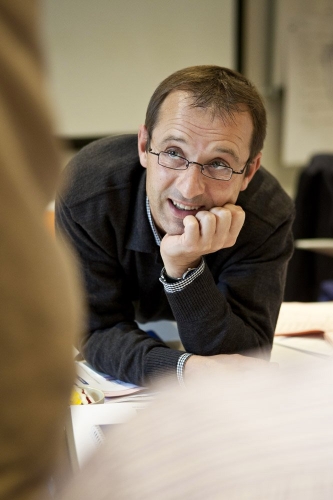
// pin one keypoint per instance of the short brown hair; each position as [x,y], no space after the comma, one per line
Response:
[222,90]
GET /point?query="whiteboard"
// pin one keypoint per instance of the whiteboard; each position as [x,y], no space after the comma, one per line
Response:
[106,57]
[304,68]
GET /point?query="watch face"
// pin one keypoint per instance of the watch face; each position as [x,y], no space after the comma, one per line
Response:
[165,278]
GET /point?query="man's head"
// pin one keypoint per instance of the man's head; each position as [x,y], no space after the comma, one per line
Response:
[222,90]
[215,119]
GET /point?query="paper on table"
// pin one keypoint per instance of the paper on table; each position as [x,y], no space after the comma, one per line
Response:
[329,337]
[313,344]
[303,326]
[111,387]
[80,425]
[305,318]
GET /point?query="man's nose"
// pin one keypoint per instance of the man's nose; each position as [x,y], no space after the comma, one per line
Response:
[191,182]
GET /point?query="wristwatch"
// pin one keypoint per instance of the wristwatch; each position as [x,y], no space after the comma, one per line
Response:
[165,278]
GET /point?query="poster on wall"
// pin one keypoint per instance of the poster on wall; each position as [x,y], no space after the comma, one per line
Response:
[306,75]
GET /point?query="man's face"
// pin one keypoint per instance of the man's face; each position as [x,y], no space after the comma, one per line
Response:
[198,136]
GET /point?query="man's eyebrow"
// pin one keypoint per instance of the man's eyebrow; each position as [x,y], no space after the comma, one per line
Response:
[173,138]
[229,151]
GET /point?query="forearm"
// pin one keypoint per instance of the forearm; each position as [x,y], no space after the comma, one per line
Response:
[114,344]
[209,325]
[129,354]
[236,310]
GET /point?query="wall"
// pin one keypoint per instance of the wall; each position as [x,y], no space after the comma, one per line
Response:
[258,53]
[106,57]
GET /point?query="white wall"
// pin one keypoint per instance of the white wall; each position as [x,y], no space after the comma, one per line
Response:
[106,57]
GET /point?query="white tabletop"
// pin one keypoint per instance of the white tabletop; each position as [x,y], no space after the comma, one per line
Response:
[288,351]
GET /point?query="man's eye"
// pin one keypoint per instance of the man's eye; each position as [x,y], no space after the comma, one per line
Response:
[172,153]
[218,165]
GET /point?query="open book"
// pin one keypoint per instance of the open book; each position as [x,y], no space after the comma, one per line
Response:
[111,387]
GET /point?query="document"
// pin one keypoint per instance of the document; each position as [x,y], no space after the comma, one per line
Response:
[306,326]
[111,387]
[84,428]
[302,318]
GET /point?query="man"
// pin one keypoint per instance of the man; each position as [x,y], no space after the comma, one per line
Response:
[168,240]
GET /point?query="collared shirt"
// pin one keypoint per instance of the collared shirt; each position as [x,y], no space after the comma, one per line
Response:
[152,225]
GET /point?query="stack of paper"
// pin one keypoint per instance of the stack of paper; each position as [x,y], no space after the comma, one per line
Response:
[111,387]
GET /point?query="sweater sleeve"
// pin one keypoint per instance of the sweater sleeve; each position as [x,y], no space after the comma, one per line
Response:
[114,343]
[237,311]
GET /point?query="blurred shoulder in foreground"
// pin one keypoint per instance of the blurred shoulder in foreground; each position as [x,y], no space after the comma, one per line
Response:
[41,311]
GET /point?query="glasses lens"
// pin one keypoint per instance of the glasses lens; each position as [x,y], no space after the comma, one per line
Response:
[172,161]
[220,173]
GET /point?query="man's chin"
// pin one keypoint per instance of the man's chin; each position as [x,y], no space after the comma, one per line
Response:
[174,229]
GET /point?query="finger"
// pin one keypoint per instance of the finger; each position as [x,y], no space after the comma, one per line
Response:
[207,221]
[237,218]
[223,219]
[235,210]
[237,222]
[191,230]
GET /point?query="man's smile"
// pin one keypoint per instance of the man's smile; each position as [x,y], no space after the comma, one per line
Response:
[180,210]
[184,207]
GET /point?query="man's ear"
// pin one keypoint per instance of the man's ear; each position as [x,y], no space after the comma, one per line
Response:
[251,170]
[142,145]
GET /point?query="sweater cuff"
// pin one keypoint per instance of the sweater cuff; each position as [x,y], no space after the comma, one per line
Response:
[180,367]
[172,286]
[161,361]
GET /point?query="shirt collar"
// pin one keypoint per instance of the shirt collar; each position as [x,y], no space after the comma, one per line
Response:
[152,225]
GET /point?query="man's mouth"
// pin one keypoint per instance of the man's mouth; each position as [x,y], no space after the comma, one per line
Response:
[179,210]
[180,206]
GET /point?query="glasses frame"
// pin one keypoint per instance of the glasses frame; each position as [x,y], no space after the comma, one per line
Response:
[201,165]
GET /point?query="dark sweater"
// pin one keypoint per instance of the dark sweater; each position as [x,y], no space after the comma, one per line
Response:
[232,307]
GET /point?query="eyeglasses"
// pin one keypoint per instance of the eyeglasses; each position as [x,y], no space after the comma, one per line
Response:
[216,170]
